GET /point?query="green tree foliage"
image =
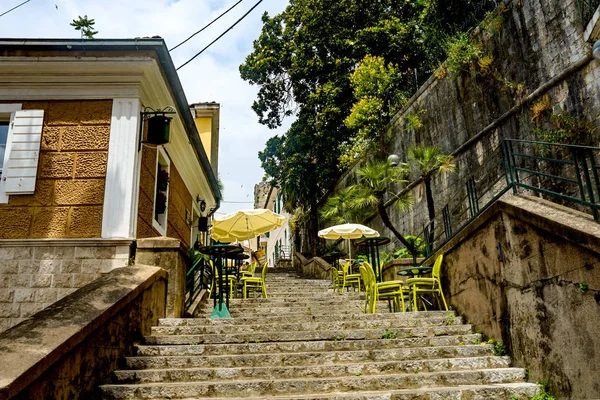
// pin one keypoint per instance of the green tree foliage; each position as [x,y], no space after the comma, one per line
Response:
[340,207]
[302,62]
[377,181]
[85,25]
[377,88]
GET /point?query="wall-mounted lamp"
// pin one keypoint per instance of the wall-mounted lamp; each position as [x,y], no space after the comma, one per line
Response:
[393,160]
[201,203]
[159,125]
[596,50]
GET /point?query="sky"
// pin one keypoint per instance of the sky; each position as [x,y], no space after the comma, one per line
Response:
[212,76]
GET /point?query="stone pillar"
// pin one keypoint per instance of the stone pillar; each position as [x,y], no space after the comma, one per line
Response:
[169,254]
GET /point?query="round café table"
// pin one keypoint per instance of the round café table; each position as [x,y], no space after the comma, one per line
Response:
[414,271]
[238,258]
[219,253]
[334,256]
[371,245]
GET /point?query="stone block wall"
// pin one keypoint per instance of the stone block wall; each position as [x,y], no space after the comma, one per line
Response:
[180,209]
[146,196]
[179,203]
[36,273]
[316,268]
[69,191]
[541,297]
[72,347]
[542,47]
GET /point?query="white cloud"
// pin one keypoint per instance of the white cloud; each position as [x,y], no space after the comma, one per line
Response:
[213,76]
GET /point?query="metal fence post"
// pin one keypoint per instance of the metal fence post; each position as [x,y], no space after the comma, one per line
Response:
[447,222]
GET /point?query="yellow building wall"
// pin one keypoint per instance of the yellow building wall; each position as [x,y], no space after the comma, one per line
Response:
[69,191]
[204,126]
[179,202]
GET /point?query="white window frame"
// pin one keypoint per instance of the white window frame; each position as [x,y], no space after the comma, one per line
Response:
[161,227]
[194,225]
[7,111]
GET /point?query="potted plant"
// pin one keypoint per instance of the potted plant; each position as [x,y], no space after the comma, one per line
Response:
[162,180]
[160,204]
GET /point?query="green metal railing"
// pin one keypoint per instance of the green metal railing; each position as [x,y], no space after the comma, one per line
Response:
[566,174]
[586,9]
[197,277]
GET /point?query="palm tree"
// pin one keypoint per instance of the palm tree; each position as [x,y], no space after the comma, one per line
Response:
[376,180]
[430,160]
[340,208]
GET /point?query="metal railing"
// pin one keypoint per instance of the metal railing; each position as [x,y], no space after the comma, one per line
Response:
[565,174]
[197,277]
[586,9]
[281,252]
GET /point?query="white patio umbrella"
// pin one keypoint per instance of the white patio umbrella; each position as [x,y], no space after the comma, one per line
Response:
[245,224]
[347,231]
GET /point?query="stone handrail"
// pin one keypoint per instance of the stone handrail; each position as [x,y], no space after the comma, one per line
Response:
[69,348]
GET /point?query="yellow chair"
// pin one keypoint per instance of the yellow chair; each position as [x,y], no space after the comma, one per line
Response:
[370,290]
[337,280]
[252,283]
[250,271]
[428,285]
[231,283]
[349,280]
[392,291]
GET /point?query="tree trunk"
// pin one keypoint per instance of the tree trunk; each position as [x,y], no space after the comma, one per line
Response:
[385,218]
[312,228]
[430,208]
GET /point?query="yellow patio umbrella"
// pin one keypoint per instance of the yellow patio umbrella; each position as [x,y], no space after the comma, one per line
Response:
[347,231]
[245,224]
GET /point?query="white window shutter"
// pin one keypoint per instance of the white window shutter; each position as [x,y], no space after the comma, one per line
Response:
[23,148]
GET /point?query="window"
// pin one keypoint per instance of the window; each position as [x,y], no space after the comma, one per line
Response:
[20,138]
[161,191]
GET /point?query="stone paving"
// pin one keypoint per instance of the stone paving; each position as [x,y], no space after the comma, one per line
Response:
[306,342]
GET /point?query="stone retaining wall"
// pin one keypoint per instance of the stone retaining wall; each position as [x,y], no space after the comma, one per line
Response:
[540,294]
[316,268]
[36,273]
[67,350]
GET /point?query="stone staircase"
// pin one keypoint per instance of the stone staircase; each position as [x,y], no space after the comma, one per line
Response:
[305,342]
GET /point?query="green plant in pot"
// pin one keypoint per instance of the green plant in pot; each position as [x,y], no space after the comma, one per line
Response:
[161,203]
[162,180]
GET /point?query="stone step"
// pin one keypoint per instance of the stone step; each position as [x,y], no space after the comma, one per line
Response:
[328,298]
[352,305]
[274,301]
[268,387]
[319,358]
[305,317]
[354,334]
[504,391]
[187,348]
[340,369]
[304,326]
[301,314]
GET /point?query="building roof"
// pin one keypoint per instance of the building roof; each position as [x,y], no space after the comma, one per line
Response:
[157,45]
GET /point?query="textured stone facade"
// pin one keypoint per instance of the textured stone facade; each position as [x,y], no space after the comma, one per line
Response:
[180,207]
[69,191]
[540,295]
[70,348]
[37,273]
[179,203]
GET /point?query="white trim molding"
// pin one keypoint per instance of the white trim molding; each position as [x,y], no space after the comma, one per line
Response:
[120,192]
[7,111]
[163,163]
